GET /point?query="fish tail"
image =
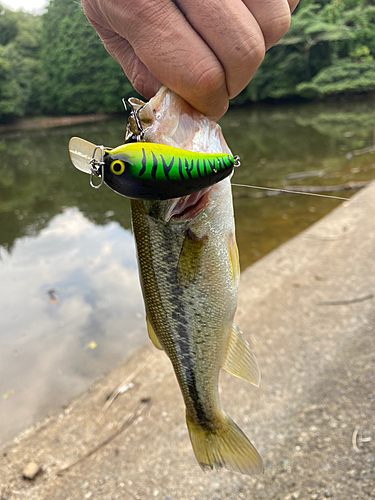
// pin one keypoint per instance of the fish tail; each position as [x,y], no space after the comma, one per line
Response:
[226,446]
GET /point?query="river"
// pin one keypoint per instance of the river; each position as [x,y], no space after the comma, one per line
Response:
[71,305]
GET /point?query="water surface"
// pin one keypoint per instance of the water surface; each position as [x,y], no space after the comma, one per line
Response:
[71,305]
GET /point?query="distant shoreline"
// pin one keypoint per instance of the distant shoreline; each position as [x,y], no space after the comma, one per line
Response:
[53,121]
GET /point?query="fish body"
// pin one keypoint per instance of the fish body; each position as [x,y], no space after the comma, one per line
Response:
[189,271]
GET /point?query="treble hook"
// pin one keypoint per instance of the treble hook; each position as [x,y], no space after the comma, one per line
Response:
[134,113]
[97,167]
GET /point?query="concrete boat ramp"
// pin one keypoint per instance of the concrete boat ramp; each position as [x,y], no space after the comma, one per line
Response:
[308,310]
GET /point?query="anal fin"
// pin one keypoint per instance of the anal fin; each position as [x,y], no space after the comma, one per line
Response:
[240,361]
[152,335]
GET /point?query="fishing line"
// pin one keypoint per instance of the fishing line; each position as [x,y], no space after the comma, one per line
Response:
[291,191]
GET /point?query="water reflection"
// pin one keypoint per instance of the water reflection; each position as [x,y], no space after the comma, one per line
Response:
[273,143]
[73,284]
[67,260]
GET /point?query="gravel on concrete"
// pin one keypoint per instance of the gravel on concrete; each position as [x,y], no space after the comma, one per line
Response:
[308,310]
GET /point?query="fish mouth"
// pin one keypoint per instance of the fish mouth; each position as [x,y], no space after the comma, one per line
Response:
[188,207]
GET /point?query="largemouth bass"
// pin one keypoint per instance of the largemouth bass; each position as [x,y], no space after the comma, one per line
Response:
[189,272]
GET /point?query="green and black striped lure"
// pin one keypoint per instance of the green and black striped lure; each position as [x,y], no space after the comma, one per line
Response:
[149,171]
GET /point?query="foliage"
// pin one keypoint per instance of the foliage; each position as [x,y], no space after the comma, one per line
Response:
[10,91]
[343,77]
[80,76]
[19,63]
[329,50]
[8,26]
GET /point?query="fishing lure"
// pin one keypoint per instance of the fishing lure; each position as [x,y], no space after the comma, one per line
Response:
[150,171]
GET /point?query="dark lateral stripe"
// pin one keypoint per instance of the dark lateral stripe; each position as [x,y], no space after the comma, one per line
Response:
[204,167]
[167,168]
[198,169]
[143,169]
[154,165]
[220,166]
[194,395]
[180,168]
[186,360]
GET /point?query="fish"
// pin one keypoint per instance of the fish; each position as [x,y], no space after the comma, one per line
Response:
[189,273]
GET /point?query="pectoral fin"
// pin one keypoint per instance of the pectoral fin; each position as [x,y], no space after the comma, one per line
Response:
[234,259]
[240,361]
[190,258]
[152,335]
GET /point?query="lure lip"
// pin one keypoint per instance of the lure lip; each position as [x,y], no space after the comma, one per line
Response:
[81,153]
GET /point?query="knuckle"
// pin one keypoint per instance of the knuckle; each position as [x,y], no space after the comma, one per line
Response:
[210,80]
[141,79]
[146,21]
[114,15]
[139,82]
[112,43]
[210,92]
[250,52]
[276,28]
[109,38]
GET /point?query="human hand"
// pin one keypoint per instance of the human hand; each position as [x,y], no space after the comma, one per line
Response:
[206,51]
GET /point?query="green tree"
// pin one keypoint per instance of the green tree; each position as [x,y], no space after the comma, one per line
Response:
[10,90]
[80,76]
[328,50]
[20,66]
[8,26]
[343,77]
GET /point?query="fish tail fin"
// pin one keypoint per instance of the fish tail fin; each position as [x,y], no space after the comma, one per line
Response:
[227,446]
